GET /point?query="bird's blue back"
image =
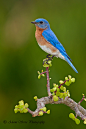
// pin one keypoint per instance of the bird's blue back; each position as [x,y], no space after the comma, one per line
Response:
[49,35]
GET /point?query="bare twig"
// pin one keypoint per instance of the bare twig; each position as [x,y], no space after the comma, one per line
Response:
[48,81]
[81,99]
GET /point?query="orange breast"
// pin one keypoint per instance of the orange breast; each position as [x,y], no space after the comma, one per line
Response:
[42,41]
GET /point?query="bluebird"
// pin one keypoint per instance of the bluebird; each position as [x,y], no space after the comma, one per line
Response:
[48,41]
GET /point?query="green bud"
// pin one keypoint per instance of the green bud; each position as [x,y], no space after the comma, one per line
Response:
[49,62]
[21,107]
[45,65]
[50,65]
[21,111]
[54,84]
[55,98]
[61,95]
[43,75]
[54,89]
[16,106]
[66,78]
[57,93]
[84,99]
[21,102]
[58,89]
[44,109]
[61,87]
[53,94]
[39,76]
[51,90]
[64,89]
[69,76]
[71,115]
[70,81]
[48,111]
[67,83]
[65,94]
[15,110]
[68,94]
[61,82]
[85,121]
[73,80]
[26,105]
[40,113]
[38,72]
[25,110]
[77,121]
[35,97]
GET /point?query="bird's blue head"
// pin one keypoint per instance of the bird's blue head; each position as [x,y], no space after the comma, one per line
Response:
[41,23]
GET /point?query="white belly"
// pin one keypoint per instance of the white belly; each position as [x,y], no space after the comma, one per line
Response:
[48,50]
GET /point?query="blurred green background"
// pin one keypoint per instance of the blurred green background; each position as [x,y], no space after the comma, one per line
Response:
[21,58]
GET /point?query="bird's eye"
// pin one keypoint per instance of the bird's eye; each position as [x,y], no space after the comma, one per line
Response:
[41,22]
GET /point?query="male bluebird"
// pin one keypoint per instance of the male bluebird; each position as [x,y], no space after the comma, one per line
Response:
[48,41]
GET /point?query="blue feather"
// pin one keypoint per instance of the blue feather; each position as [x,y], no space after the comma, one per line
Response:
[69,62]
[49,35]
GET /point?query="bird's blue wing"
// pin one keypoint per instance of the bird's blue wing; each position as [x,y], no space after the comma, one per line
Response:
[51,38]
[49,35]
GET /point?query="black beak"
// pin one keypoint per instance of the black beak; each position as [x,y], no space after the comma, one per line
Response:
[33,22]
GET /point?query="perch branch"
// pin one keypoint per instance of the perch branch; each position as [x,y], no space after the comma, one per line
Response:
[79,110]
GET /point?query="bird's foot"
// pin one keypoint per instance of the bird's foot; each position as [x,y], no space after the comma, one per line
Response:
[50,57]
[47,61]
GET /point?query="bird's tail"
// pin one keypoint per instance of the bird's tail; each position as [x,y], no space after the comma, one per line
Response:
[69,62]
